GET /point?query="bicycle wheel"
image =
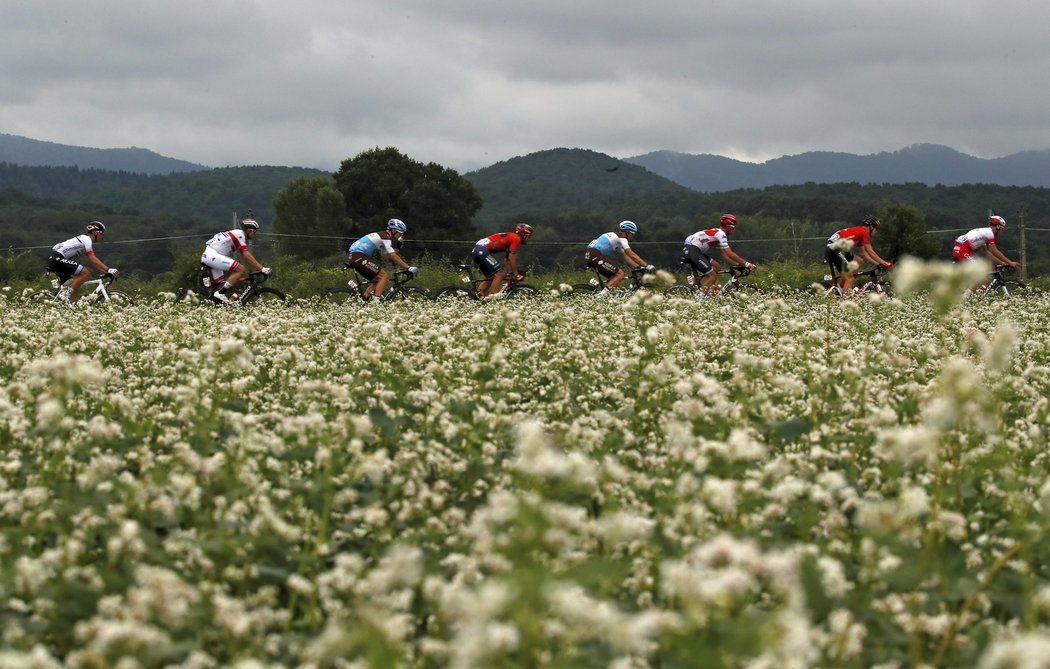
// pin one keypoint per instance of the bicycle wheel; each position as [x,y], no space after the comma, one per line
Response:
[264,296]
[407,293]
[681,291]
[453,294]
[40,297]
[522,292]
[340,296]
[1013,287]
[117,299]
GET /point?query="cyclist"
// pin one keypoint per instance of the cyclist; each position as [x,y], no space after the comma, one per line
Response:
[599,255]
[218,256]
[983,239]
[493,269]
[703,265]
[62,261]
[850,242]
[363,251]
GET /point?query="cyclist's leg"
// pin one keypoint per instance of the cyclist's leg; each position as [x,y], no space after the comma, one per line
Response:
[221,266]
[371,271]
[64,269]
[605,268]
[490,267]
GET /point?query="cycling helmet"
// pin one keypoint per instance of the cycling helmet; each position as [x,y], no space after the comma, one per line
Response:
[249,224]
[96,226]
[728,221]
[997,221]
[628,226]
[397,225]
[871,221]
[523,229]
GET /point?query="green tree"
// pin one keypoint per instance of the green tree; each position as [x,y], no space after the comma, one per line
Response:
[310,206]
[380,184]
[903,232]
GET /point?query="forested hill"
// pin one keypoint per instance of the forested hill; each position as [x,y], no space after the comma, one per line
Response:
[562,179]
[36,153]
[929,164]
[202,195]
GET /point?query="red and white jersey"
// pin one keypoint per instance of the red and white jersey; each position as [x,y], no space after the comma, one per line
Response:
[977,238]
[715,238]
[225,243]
[71,248]
[501,241]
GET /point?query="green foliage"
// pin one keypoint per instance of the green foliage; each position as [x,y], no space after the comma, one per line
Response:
[903,232]
[309,206]
[383,183]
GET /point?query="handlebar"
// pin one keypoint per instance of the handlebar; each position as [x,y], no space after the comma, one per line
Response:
[258,277]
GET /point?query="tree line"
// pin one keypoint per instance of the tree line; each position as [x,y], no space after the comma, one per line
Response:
[315,214]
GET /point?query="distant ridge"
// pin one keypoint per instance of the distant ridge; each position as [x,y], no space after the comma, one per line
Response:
[17,150]
[561,179]
[930,164]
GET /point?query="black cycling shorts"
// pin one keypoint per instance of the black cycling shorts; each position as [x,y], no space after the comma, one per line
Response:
[696,258]
[64,267]
[837,260]
[484,260]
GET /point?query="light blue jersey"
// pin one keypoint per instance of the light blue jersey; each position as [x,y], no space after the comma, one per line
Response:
[609,243]
[370,244]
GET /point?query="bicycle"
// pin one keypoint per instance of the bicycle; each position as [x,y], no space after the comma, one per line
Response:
[100,295]
[357,285]
[734,284]
[998,284]
[873,281]
[513,289]
[204,288]
[598,283]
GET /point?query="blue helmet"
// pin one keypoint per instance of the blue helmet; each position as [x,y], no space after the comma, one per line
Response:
[628,226]
[397,225]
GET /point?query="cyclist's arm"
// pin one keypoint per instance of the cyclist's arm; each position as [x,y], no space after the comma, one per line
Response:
[633,259]
[994,254]
[396,259]
[96,263]
[250,259]
[869,254]
[512,262]
[731,257]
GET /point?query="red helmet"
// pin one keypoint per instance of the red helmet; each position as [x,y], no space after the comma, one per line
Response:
[728,221]
[997,221]
[523,229]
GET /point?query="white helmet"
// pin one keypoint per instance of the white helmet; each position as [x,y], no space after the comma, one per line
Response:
[997,221]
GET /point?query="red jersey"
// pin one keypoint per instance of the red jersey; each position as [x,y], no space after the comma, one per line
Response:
[502,241]
[859,235]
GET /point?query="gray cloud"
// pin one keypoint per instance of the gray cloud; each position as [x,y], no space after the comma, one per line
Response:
[232,82]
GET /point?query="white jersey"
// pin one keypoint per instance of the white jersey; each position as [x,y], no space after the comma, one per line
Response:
[71,248]
[977,238]
[708,239]
[609,243]
[225,243]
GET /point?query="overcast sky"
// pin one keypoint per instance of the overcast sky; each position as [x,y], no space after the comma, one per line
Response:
[467,83]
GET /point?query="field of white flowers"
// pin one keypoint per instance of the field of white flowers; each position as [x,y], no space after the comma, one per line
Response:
[776,482]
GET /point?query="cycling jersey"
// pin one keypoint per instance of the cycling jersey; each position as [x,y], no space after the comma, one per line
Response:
[609,243]
[860,235]
[225,243]
[370,244]
[501,241]
[977,238]
[715,238]
[71,248]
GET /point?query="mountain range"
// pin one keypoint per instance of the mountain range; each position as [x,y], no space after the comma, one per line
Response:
[930,164]
[18,150]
